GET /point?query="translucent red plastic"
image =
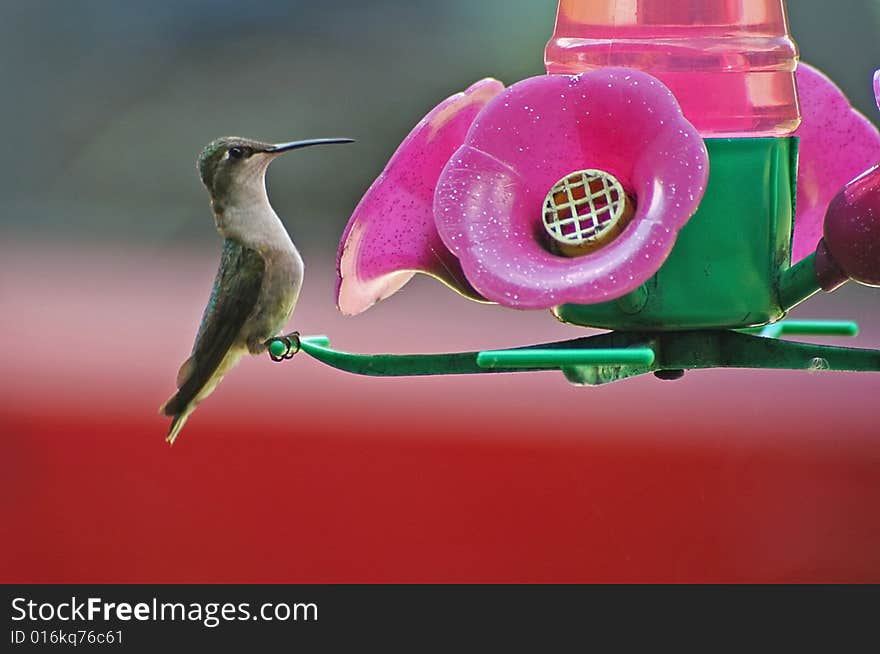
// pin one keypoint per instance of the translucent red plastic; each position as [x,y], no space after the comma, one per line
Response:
[730,64]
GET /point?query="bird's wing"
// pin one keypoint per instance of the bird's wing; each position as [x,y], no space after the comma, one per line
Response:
[235,293]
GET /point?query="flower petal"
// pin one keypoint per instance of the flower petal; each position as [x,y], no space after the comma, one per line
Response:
[391,234]
[837,143]
[877,87]
[489,199]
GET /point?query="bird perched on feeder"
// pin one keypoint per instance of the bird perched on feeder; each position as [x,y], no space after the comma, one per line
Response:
[260,274]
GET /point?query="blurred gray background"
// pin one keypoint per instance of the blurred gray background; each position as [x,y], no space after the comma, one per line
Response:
[106,104]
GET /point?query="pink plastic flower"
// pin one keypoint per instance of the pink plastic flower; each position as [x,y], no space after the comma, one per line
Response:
[391,234]
[489,198]
[837,143]
[850,245]
[877,88]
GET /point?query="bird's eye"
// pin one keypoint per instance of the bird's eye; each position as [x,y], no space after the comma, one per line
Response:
[235,152]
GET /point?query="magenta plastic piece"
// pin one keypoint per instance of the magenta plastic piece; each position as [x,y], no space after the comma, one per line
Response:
[837,143]
[489,199]
[877,87]
[730,64]
[391,234]
[852,229]
[828,274]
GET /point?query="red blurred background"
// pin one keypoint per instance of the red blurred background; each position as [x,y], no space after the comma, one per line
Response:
[298,473]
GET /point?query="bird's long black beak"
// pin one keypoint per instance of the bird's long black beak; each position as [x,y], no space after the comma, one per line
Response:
[294,145]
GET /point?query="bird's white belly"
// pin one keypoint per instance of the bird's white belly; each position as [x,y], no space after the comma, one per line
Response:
[278,295]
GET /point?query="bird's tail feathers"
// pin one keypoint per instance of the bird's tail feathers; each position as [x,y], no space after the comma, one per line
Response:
[176,425]
[193,389]
[172,406]
[178,413]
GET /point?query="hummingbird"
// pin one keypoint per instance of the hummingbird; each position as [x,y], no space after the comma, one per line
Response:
[260,274]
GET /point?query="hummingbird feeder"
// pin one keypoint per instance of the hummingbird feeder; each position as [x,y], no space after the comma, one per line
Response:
[677,178]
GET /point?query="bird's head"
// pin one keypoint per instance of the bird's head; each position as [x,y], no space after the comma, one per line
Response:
[232,162]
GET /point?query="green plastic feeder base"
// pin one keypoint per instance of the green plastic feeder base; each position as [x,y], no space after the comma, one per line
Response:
[612,356]
[729,267]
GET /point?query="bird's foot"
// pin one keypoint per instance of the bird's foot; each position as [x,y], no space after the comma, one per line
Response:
[282,348]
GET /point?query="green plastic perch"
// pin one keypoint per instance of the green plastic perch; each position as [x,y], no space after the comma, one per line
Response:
[603,358]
